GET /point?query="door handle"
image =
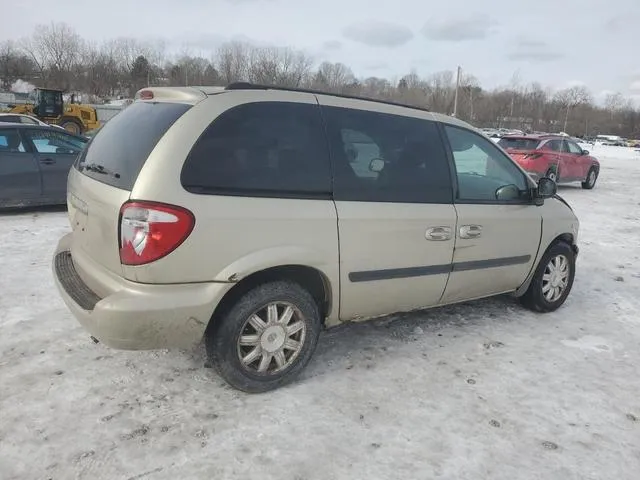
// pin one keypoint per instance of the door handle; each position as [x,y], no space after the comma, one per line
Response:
[470,231]
[48,161]
[438,234]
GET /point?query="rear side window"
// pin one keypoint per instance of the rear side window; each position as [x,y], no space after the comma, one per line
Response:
[52,141]
[519,143]
[270,149]
[380,157]
[119,150]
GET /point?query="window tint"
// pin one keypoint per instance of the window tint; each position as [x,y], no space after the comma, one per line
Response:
[261,149]
[10,141]
[482,169]
[519,143]
[573,148]
[559,146]
[386,158]
[9,119]
[123,143]
[28,121]
[51,141]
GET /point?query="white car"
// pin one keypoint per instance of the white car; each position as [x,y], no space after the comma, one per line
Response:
[24,119]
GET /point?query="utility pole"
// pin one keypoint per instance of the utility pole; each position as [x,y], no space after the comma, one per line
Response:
[455,98]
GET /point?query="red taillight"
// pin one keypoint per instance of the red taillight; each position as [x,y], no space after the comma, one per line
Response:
[150,231]
[146,95]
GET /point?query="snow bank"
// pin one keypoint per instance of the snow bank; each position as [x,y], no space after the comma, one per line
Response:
[616,153]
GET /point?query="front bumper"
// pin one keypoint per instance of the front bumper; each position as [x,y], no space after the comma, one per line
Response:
[136,316]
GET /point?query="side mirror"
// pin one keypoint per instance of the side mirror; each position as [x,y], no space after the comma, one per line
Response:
[508,192]
[547,188]
[585,152]
[376,165]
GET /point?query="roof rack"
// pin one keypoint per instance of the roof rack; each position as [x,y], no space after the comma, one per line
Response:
[254,86]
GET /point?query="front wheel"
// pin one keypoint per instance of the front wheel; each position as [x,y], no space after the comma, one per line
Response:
[552,280]
[592,176]
[266,338]
[552,173]
[71,125]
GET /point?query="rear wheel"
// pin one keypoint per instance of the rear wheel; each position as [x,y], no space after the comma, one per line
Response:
[71,125]
[266,338]
[553,174]
[552,280]
[592,176]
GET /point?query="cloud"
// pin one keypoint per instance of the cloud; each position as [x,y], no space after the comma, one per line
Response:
[378,34]
[332,45]
[533,51]
[617,23]
[377,66]
[471,27]
[635,86]
[576,83]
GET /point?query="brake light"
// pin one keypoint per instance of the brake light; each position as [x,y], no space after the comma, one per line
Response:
[150,231]
[146,95]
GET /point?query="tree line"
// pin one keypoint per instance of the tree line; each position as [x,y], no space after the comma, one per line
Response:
[55,56]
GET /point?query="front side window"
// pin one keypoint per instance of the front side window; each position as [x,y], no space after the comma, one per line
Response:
[378,157]
[557,146]
[268,149]
[573,148]
[50,141]
[10,141]
[484,173]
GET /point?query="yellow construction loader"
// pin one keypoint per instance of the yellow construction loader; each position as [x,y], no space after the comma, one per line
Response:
[47,105]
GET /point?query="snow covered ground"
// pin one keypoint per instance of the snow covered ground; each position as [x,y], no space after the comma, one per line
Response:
[484,390]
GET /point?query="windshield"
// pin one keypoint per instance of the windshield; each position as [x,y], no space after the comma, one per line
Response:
[519,143]
[123,144]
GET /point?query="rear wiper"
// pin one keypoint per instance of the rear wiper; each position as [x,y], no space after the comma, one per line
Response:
[96,167]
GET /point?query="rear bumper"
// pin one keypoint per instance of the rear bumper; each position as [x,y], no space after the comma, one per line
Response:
[136,316]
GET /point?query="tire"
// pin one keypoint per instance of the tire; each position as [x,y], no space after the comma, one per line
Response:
[285,363]
[534,298]
[553,174]
[592,176]
[71,125]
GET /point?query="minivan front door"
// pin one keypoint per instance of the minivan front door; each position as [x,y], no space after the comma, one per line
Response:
[393,197]
[498,230]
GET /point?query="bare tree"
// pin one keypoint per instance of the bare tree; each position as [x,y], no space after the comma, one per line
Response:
[232,61]
[614,102]
[56,56]
[572,97]
[440,91]
[14,65]
[55,49]
[332,77]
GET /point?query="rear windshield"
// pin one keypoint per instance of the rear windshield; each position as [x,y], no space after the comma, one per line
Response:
[116,154]
[519,143]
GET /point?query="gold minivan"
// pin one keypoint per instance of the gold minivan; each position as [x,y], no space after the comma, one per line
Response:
[253,216]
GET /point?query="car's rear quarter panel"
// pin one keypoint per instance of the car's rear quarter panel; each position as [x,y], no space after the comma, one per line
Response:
[234,236]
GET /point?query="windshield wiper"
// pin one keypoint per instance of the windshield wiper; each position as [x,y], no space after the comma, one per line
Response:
[96,167]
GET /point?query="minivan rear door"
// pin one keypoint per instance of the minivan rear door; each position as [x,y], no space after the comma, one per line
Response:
[104,175]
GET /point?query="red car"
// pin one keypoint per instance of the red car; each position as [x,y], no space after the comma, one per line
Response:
[553,156]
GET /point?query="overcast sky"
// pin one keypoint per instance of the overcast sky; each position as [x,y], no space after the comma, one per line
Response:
[555,42]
